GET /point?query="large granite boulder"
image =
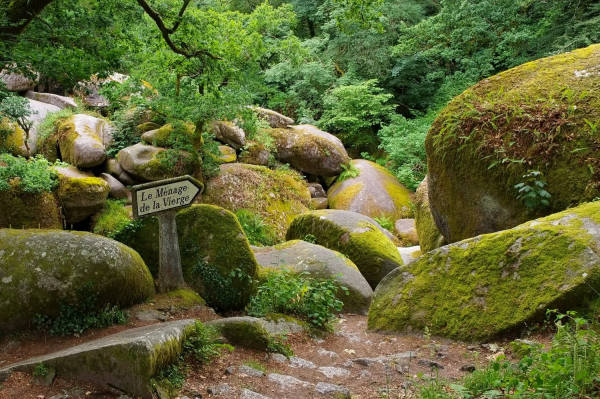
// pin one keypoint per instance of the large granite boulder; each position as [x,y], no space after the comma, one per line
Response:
[274,119]
[300,256]
[39,269]
[495,284]
[533,117]
[53,99]
[310,150]
[39,111]
[429,235]
[149,163]
[167,135]
[80,194]
[228,133]
[277,197]
[356,236]
[16,81]
[82,140]
[213,248]
[375,192]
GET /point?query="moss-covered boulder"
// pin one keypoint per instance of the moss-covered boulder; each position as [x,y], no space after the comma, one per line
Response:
[213,248]
[39,269]
[375,192]
[149,163]
[255,153]
[145,127]
[228,154]
[540,116]
[21,210]
[276,196]
[168,134]
[82,140]
[228,133]
[310,150]
[300,256]
[429,235]
[274,119]
[80,194]
[495,284]
[12,138]
[356,236]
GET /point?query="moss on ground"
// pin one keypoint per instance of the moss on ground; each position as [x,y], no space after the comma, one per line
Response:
[495,284]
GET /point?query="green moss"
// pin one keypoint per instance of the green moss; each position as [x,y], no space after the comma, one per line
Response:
[12,138]
[246,334]
[362,242]
[112,218]
[344,199]
[209,255]
[75,192]
[29,210]
[530,117]
[145,127]
[495,284]
[430,237]
[186,298]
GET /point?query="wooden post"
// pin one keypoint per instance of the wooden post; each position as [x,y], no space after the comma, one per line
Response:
[170,275]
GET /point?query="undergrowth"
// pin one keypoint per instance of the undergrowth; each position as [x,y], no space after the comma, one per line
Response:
[257,232]
[35,175]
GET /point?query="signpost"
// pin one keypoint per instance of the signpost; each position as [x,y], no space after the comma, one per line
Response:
[162,198]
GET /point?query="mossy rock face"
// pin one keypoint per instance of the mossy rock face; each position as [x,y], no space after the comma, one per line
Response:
[149,163]
[82,140]
[213,246]
[356,236]
[276,196]
[228,154]
[39,269]
[21,210]
[375,192]
[80,194]
[321,263]
[274,119]
[538,116]
[429,236]
[228,133]
[166,135]
[246,332]
[145,127]
[495,284]
[310,150]
[255,153]
[12,138]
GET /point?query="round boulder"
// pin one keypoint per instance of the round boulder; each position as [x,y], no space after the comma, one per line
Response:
[540,116]
[228,154]
[310,150]
[149,163]
[495,284]
[277,197]
[216,258]
[40,269]
[80,194]
[274,119]
[356,236]
[375,192]
[228,133]
[300,256]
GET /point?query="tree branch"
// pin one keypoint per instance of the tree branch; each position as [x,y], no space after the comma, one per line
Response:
[166,32]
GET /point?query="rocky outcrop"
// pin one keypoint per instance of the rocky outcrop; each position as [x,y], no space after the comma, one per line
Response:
[532,117]
[39,269]
[310,150]
[277,197]
[375,192]
[255,153]
[80,194]
[356,236]
[495,284]
[300,256]
[16,81]
[83,139]
[274,119]
[117,189]
[53,99]
[149,163]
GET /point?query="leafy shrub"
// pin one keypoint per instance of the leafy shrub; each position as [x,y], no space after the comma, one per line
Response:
[113,218]
[350,171]
[299,295]
[35,174]
[204,344]
[81,315]
[531,190]
[277,345]
[385,222]
[256,230]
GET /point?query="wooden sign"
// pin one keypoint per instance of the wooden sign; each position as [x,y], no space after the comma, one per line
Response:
[151,198]
[162,198]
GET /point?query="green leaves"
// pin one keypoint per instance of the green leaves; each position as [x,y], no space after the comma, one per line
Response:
[531,190]
[35,175]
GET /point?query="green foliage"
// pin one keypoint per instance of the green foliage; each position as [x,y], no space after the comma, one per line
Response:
[257,232]
[531,190]
[16,109]
[385,222]
[41,370]
[569,368]
[355,112]
[210,154]
[171,379]
[277,345]
[349,172]
[81,314]
[51,122]
[299,295]
[203,343]
[35,175]
[310,239]
[113,218]
[221,288]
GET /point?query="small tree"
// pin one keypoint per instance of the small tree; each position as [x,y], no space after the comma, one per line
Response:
[16,109]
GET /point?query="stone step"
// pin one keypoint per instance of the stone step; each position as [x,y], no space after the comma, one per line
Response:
[125,361]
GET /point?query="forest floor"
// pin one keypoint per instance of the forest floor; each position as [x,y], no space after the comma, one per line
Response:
[351,357]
